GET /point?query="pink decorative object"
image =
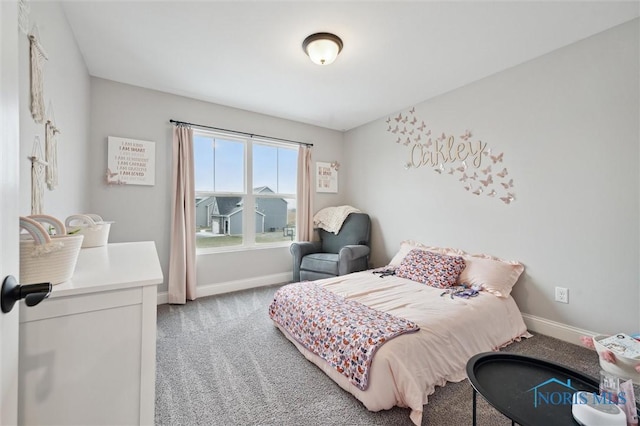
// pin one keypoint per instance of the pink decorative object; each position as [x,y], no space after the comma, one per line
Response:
[608,356]
[587,341]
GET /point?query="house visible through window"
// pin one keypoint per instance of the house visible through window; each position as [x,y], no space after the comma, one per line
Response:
[227,212]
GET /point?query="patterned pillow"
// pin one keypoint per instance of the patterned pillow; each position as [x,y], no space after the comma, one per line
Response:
[434,269]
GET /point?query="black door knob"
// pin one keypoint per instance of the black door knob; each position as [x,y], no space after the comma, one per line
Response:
[12,292]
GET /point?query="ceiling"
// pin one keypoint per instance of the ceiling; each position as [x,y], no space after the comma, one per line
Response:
[248,55]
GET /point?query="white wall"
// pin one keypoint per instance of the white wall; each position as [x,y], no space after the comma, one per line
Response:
[568,124]
[66,87]
[143,212]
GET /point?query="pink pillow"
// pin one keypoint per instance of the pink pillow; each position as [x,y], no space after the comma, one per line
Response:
[434,269]
[495,275]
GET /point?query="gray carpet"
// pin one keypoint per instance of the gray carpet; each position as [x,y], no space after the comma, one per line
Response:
[220,361]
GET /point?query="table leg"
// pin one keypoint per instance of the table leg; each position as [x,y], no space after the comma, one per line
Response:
[474,406]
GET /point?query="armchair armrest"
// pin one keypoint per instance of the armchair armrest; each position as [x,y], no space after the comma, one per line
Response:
[300,250]
[352,252]
[353,258]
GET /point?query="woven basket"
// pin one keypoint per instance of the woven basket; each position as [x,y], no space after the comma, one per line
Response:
[94,229]
[45,258]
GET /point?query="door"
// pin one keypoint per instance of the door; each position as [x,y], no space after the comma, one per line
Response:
[9,153]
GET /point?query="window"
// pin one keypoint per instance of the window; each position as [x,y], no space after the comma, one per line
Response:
[227,213]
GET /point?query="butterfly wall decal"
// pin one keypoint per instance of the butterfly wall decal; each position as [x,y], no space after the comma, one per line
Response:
[487,181]
[395,130]
[503,173]
[478,191]
[464,178]
[414,121]
[466,135]
[508,184]
[487,170]
[417,139]
[509,198]
[388,120]
[403,131]
[407,142]
[399,140]
[492,193]
[422,126]
[497,158]
[474,177]
[398,118]
[412,110]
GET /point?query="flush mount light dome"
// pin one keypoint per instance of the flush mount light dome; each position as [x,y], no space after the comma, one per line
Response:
[322,48]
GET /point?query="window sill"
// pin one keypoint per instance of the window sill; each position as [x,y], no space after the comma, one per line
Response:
[235,249]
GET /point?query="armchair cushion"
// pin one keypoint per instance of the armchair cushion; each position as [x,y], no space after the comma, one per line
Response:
[326,263]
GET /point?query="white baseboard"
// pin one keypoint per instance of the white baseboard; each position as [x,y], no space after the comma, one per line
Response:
[555,329]
[229,286]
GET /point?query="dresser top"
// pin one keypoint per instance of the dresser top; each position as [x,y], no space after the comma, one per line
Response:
[111,267]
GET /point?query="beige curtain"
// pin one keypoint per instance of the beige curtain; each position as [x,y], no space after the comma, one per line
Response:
[182,259]
[304,215]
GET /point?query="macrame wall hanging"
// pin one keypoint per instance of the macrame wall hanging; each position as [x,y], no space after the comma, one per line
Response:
[51,150]
[38,167]
[38,58]
[24,8]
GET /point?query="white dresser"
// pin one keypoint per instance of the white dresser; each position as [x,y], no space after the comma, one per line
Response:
[88,352]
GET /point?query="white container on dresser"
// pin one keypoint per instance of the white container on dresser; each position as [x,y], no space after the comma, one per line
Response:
[88,352]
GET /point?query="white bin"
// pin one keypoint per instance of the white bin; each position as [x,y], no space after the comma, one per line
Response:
[623,368]
[94,229]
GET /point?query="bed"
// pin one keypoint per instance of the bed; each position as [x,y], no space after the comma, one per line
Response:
[407,368]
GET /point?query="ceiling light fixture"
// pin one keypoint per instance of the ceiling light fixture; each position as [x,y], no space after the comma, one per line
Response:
[322,48]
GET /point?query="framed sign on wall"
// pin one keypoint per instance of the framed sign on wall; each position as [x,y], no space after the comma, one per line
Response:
[131,161]
[326,177]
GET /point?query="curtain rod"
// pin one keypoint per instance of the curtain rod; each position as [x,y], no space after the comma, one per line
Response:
[241,133]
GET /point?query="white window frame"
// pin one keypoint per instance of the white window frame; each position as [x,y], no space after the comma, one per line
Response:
[248,196]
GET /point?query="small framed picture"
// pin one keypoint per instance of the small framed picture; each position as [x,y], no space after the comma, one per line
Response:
[326,177]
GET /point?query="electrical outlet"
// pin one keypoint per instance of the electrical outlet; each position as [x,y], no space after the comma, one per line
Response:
[562,295]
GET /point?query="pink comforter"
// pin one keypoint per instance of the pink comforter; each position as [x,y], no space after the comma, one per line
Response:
[407,369]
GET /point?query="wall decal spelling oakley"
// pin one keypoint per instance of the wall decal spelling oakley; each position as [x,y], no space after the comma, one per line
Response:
[469,160]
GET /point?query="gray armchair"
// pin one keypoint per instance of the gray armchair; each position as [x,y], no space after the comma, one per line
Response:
[335,254]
